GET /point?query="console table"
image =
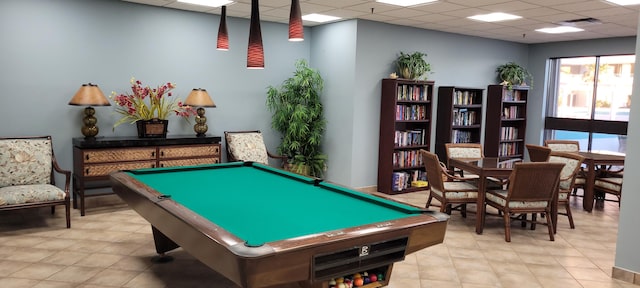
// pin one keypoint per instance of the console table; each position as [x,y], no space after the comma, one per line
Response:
[94,159]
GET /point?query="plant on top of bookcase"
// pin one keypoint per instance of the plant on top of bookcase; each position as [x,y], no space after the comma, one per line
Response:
[412,66]
[298,115]
[511,74]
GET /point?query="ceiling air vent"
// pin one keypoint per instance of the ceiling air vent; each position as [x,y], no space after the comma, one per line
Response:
[580,22]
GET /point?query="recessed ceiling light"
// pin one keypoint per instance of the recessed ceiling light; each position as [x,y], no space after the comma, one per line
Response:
[405,3]
[624,2]
[494,17]
[560,29]
[210,3]
[319,18]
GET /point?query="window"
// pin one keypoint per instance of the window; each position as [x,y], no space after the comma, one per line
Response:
[589,100]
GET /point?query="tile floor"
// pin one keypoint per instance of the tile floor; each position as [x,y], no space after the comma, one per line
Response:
[112,247]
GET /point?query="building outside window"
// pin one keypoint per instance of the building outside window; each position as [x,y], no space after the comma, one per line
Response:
[590,100]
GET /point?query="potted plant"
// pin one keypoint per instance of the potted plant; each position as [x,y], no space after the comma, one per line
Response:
[512,74]
[412,66]
[298,116]
[149,108]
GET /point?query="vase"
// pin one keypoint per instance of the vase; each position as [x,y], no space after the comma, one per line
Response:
[154,128]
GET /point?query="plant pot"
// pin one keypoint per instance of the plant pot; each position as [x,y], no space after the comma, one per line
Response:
[154,128]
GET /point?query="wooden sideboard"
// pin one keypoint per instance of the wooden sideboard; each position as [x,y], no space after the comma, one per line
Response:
[94,159]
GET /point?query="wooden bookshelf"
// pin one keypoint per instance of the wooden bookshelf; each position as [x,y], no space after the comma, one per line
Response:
[459,117]
[507,117]
[405,128]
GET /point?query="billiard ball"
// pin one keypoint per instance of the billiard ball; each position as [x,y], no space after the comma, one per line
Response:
[373,278]
[367,280]
[358,282]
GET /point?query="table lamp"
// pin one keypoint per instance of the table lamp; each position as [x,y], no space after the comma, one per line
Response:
[89,95]
[200,98]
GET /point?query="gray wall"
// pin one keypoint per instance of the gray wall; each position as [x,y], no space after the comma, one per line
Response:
[58,45]
[627,252]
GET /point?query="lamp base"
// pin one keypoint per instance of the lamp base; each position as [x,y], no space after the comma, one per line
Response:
[89,129]
[201,123]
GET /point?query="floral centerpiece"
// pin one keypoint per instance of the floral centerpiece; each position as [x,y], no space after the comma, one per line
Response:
[146,103]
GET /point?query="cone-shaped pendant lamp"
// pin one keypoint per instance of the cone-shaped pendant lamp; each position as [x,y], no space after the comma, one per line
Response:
[255,51]
[296,29]
[223,36]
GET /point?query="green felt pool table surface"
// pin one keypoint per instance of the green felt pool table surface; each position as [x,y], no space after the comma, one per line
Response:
[261,204]
[265,227]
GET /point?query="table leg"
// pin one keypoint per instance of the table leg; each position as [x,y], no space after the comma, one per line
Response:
[480,203]
[587,201]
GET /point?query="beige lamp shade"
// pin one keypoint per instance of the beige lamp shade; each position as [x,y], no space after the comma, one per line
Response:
[89,95]
[199,98]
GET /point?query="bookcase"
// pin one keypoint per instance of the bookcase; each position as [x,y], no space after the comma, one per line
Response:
[405,128]
[506,121]
[459,117]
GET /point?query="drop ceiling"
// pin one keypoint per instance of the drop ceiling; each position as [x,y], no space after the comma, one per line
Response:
[450,16]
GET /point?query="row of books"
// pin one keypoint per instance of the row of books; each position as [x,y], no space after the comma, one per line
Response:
[509,133]
[410,137]
[407,158]
[413,93]
[403,180]
[511,112]
[411,112]
[508,149]
[461,136]
[512,95]
[464,98]
[464,117]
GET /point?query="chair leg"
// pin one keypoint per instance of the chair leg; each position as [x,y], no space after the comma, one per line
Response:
[428,201]
[568,209]
[53,210]
[534,218]
[463,210]
[550,226]
[507,226]
[67,208]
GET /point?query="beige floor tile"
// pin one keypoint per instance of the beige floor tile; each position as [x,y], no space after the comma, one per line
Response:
[112,246]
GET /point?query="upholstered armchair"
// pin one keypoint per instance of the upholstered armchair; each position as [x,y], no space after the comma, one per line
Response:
[249,146]
[27,166]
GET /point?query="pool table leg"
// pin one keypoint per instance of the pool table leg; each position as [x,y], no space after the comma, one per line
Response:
[163,244]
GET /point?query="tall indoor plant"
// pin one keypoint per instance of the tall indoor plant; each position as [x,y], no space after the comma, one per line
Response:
[298,116]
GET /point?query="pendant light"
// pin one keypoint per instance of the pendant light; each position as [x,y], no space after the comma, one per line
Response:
[223,36]
[255,51]
[296,29]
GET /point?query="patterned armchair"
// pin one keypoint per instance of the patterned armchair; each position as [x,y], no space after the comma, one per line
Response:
[249,146]
[27,166]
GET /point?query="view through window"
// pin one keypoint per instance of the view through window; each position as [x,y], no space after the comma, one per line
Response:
[591,100]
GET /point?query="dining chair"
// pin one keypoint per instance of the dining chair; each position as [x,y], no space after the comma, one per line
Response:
[538,153]
[572,162]
[569,146]
[453,192]
[463,150]
[249,146]
[608,185]
[531,188]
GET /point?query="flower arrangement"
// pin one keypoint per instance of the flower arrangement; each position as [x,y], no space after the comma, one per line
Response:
[135,106]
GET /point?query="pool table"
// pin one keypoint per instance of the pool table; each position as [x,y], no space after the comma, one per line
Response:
[260,226]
